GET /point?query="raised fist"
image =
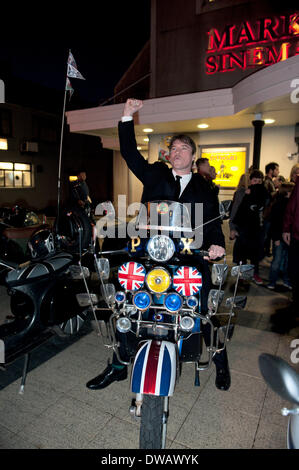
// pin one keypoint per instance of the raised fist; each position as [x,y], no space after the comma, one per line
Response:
[132,106]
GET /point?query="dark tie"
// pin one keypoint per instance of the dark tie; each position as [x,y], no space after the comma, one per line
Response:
[177,187]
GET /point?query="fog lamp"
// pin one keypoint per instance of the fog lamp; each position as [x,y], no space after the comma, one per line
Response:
[186,323]
[142,300]
[158,280]
[173,302]
[123,325]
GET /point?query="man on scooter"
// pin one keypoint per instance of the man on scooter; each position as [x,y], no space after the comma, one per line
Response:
[179,183]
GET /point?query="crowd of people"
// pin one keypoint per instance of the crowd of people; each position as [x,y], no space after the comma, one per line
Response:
[264,222]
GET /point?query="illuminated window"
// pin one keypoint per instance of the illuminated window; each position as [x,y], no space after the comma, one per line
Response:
[3,144]
[15,175]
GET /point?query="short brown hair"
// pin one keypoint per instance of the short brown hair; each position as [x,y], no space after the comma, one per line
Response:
[183,138]
[256,174]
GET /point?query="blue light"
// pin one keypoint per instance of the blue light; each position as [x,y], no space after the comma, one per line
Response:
[192,301]
[142,300]
[173,302]
[120,297]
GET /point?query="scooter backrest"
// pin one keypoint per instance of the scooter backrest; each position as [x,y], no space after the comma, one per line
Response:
[38,270]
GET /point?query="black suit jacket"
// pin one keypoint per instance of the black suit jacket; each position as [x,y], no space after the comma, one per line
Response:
[159,184]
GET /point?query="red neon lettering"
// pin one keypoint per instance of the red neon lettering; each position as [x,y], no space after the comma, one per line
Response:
[245,34]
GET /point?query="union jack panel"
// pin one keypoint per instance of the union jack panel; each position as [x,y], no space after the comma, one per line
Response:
[187,280]
[154,369]
[131,275]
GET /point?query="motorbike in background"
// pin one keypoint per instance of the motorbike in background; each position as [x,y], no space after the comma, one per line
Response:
[16,226]
[47,297]
[156,310]
[284,381]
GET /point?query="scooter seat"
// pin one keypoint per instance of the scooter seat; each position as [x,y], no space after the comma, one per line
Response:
[14,233]
[39,270]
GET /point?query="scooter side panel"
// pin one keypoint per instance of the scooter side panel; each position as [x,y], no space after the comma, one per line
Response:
[154,369]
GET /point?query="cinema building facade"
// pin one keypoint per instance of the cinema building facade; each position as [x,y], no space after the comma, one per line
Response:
[224,72]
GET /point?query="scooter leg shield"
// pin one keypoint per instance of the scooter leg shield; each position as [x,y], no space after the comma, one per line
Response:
[154,368]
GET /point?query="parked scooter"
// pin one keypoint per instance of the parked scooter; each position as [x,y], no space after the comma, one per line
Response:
[46,299]
[16,223]
[284,381]
[157,312]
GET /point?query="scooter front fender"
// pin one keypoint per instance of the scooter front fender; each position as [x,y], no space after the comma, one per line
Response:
[154,369]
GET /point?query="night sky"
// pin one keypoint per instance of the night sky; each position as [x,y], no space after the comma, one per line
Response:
[104,38]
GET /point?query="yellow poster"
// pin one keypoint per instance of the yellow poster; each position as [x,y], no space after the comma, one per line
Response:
[229,162]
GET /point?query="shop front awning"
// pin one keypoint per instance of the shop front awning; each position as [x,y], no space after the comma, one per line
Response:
[272,92]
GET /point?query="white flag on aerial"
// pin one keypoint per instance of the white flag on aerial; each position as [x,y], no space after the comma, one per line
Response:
[72,70]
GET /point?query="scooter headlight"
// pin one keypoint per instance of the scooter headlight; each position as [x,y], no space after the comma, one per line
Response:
[186,323]
[123,325]
[173,302]
[160,248]
[142,300]
[158,280]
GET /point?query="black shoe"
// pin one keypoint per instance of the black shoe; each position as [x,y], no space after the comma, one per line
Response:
[222,378]
[109,375]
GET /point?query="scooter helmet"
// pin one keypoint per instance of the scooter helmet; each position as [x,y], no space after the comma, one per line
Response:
[41,244]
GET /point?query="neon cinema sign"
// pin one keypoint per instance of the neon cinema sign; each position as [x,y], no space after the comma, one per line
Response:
[262,43]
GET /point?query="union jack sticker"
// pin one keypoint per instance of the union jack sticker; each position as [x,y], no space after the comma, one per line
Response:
[187,280]
[131,275]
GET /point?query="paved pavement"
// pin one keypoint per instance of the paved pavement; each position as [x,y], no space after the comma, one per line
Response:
[57,411]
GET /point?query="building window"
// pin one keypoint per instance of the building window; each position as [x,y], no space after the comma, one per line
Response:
[45,129]
[15,175]
[3,144]
[5,123]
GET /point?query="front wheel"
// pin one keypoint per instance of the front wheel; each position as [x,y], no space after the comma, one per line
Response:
[154,414]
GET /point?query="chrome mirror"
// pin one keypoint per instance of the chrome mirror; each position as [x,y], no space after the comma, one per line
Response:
[246,271]
[78,272]
[215,298]
[225,332]
[108,292]
[87,299]
[219,273]
[236,302]
[103,267]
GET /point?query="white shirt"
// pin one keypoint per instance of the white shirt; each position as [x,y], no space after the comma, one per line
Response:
[184,178]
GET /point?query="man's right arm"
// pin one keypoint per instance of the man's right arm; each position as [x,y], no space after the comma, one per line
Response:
[128,148]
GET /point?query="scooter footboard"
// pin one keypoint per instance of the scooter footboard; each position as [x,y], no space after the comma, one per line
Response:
[154,369]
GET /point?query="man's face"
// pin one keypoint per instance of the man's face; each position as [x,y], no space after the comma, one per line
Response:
[254,181]
[82,176]
[276,171]
[180,157]
[204,169]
